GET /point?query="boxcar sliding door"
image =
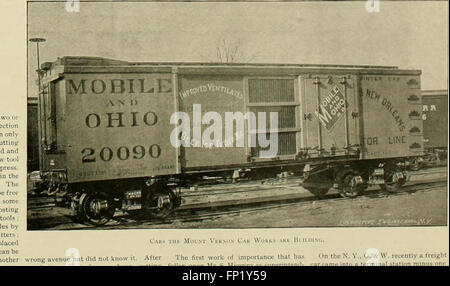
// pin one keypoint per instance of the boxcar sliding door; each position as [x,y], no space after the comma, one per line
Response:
[329,115]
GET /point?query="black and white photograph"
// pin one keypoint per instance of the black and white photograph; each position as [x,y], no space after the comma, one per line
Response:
[236,115]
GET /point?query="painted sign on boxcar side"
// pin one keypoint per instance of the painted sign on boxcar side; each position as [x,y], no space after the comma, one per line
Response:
[331,108]
[391,116]
[117,124]
[216,94]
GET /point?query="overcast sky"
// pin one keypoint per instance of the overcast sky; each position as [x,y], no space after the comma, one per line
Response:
[407,34]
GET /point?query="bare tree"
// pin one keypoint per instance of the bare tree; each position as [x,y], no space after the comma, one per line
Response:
[229,50]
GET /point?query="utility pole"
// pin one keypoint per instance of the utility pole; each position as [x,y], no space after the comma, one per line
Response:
[37,41]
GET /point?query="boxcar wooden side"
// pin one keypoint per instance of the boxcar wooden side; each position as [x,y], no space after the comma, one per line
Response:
[435,118]
[117,132]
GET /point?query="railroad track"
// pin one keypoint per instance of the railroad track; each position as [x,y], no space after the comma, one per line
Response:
[242,197]
[236,189]
[215,211]
[372,194]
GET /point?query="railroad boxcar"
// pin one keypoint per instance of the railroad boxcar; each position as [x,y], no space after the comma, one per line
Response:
[435,122]
[32,134]
[123,135]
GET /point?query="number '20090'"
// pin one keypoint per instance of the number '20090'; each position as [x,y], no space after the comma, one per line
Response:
[122,153]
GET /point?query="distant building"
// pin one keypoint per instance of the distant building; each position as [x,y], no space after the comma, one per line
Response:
[32,134]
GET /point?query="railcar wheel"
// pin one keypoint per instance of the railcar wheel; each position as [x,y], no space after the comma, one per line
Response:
[97,208]
[159,204]
[351,186]
[394,180]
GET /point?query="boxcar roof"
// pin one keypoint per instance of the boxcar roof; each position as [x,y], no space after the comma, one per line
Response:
[99,61]
[104,65]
